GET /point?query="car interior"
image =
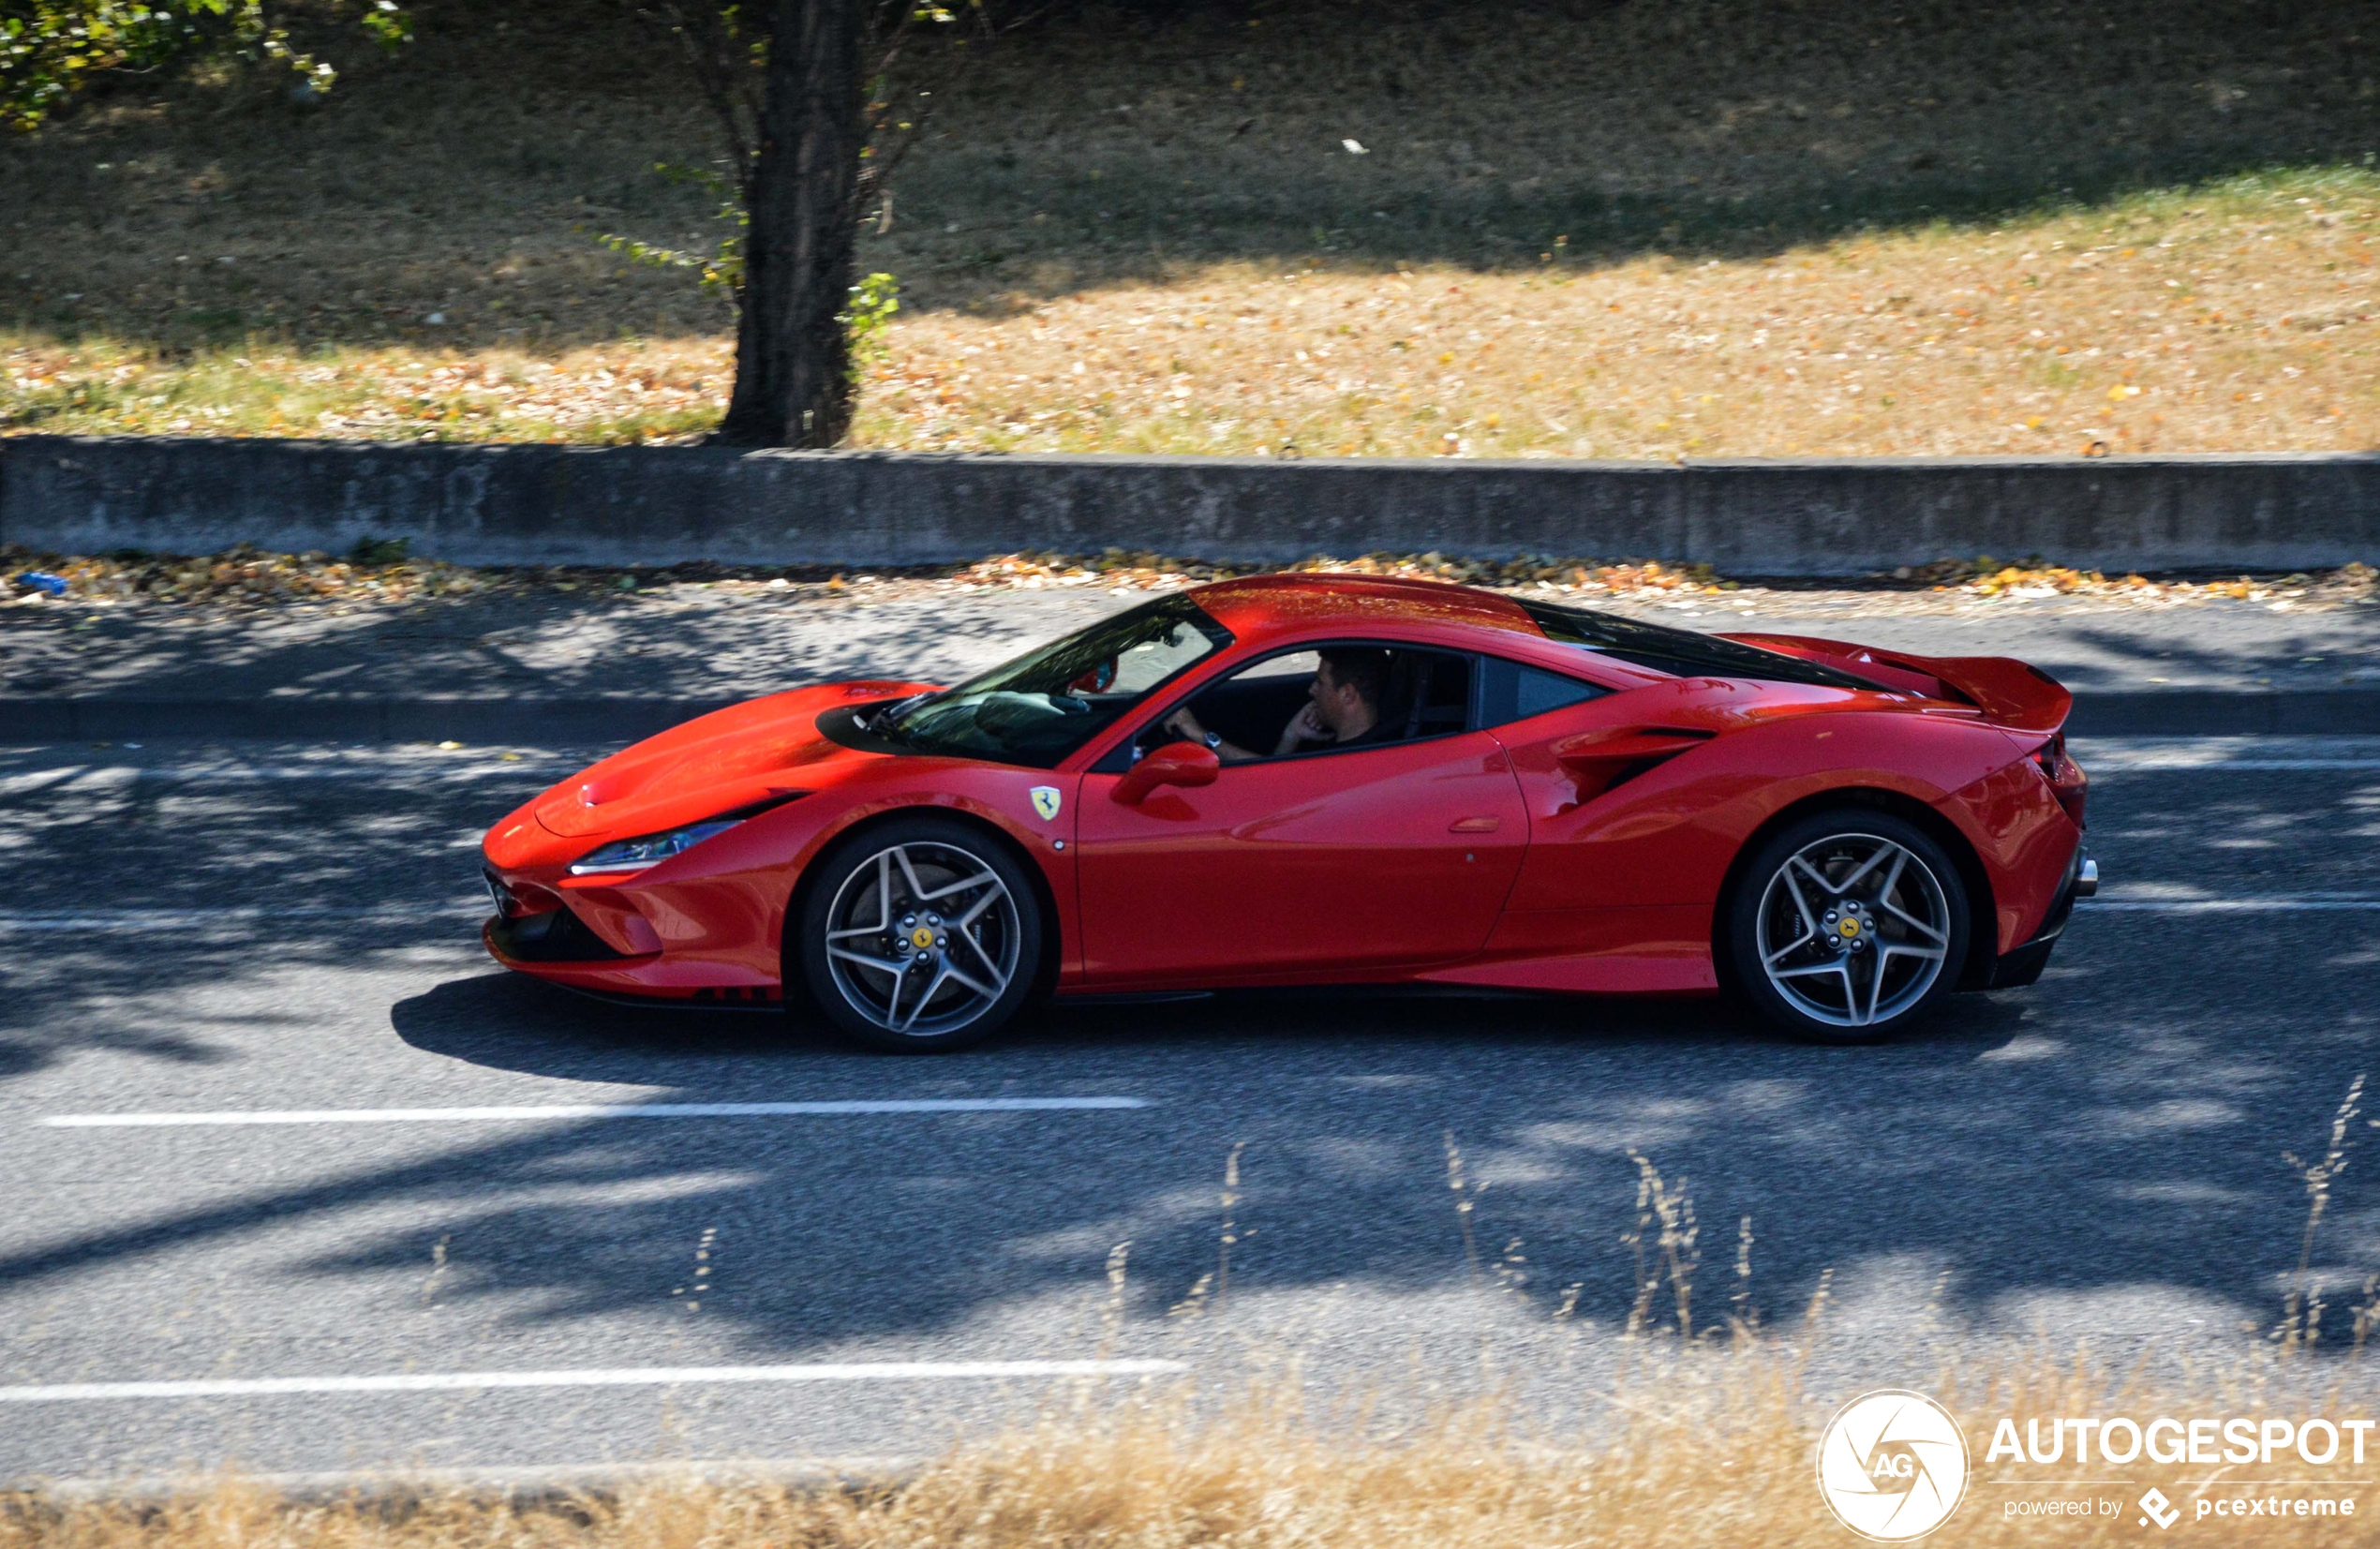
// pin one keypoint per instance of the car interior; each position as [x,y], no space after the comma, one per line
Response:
[1428,694]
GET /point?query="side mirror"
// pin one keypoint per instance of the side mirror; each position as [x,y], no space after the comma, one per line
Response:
[1175,764]
[1099,679]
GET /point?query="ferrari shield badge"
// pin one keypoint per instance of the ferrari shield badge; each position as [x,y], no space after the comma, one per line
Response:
[1044,801]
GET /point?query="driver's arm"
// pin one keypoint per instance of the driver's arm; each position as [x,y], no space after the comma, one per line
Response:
[1303,727]
[1185,725]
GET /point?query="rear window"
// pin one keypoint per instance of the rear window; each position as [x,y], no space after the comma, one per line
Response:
[1681,653]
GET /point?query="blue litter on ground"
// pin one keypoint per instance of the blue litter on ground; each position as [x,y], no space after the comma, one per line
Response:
[42,580]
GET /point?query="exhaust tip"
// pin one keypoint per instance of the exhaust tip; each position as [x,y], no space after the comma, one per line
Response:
[2087,878]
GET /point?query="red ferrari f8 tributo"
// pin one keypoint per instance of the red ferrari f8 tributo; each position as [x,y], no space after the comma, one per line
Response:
[1326,779]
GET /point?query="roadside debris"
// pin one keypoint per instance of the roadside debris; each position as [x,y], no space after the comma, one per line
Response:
[380,573]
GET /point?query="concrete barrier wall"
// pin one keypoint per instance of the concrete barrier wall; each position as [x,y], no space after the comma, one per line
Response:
[659,505]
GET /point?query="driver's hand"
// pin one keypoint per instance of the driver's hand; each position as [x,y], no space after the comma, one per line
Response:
[1185,725]
[1304,727]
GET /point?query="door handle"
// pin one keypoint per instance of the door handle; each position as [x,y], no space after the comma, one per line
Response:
[1474,826]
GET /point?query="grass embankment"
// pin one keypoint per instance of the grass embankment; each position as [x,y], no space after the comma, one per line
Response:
[1724,1466]
[1732,228]
[1714,1446]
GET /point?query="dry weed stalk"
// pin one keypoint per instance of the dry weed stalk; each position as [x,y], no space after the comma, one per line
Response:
[1207,1292]
[1466,1203]
[1676,1256]
[2300,1325]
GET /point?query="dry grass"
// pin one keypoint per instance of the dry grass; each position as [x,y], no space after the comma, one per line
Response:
[632,392]
[2243,316]
[1716,228]
[1690,1450]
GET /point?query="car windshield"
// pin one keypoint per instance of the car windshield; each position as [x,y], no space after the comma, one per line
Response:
[1047,703]
[1681,653]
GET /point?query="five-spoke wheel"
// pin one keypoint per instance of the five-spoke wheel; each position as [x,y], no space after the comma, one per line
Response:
[1847,925]
[920,934]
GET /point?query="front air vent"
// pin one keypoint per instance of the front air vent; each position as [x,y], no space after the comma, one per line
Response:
[556,935]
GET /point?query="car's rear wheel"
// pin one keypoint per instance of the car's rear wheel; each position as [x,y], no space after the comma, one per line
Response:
[1848,927]
[918,935]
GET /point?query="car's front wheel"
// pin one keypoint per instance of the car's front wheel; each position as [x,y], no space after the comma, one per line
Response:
[919,935]
[1848,926]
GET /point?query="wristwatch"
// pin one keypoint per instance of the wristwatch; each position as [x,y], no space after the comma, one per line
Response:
[1214,739]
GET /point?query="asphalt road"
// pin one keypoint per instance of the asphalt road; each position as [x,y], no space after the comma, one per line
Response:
[698,643]
[280,929]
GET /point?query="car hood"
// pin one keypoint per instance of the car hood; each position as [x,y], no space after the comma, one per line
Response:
[731,758]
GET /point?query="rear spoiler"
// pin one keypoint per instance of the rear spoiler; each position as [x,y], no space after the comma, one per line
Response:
[2009,693]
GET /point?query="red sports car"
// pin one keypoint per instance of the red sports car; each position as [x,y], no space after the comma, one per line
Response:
[1325,778]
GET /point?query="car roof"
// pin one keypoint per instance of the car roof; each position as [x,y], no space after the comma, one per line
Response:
[1259,607]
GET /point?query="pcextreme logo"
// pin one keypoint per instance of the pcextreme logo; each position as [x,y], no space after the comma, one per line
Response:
[1892,1465]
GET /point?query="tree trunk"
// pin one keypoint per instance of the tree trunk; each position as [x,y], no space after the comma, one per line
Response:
[793,361]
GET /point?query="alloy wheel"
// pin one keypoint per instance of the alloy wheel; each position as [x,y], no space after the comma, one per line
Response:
[923,938]
[1853,929]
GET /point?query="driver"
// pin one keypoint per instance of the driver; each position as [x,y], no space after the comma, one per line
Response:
[1342,707]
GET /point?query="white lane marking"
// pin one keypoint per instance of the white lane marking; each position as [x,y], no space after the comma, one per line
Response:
[2246,754]
[227,918]
[2236,765]
[587,1111]
[615,1376]
[81,777]
[2224,906]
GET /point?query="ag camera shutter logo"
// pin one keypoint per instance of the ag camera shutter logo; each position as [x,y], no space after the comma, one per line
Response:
[1892,1465]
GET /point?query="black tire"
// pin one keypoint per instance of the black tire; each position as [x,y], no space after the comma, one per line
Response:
[972,973]
[1847,967]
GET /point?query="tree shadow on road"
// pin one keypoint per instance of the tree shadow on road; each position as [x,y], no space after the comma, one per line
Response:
[2110,1139]
[1936,1149]
[528,645]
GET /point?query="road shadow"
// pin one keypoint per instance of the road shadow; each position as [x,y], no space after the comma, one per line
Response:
[2110,1139]
[530,646]
[2061,1142]
[510,1022]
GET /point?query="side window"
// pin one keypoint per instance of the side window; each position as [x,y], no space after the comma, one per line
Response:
[1291,668]
[1272,709]
[1433,690]
[1251,708]
[1510,691]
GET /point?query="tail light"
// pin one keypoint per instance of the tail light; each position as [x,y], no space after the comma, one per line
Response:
[2067,782]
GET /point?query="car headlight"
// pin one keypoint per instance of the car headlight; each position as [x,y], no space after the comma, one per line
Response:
[634,854]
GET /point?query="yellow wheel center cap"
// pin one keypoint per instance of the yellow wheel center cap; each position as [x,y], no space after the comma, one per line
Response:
[921,938]
[1849,928]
